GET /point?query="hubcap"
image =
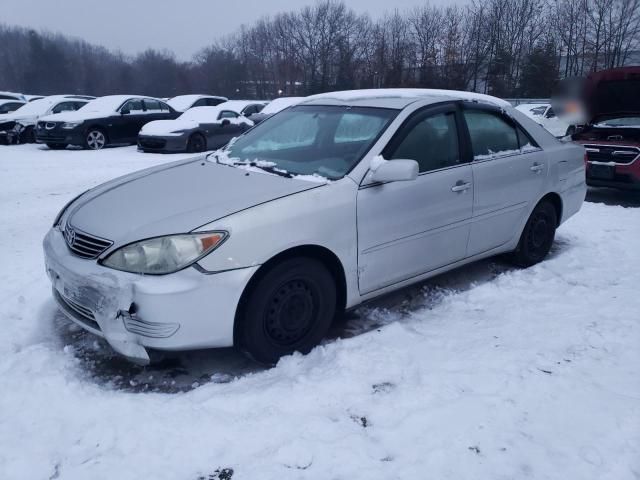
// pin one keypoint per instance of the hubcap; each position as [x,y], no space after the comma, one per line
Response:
[95,140]
[290,313]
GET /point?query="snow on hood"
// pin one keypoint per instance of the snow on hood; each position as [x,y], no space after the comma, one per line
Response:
[174,198]
[166,127]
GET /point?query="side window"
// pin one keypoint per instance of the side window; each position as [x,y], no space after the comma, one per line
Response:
[164,107]
[78,105]
[152,106]
[133,106]
[64,107]
[227,114]
[491,135]
[200,103]
[212,102]
[525,141]
[432,142]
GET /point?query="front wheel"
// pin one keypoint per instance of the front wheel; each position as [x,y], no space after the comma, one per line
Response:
[95,139]
[289,309]
[197,143]
[28,135]
[537,236]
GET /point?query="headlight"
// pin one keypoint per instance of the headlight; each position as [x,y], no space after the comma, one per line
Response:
[70,125]
[162,255]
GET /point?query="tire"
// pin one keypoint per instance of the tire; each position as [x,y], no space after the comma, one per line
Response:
[95,139]
[57,146]
[197,143]
[289,309]
[537,236]
[28,136]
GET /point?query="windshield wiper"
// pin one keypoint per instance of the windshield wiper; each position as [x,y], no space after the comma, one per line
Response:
[268,169]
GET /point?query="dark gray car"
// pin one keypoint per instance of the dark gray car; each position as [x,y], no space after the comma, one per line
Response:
[197,130]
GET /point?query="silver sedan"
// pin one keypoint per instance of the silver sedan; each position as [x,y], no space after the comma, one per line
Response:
[325,205]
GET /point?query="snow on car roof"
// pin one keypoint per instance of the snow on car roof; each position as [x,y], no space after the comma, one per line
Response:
[401,97]
[11,100]
[13,95]
[239,105]
[184,102]
[41,105]
[280,104]
[109,103]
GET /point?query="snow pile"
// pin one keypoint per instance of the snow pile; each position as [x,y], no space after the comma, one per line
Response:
[488,372]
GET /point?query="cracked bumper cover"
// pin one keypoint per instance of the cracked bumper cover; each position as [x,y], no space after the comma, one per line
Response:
[181,311]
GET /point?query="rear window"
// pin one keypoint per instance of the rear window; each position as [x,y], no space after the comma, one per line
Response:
[491,135]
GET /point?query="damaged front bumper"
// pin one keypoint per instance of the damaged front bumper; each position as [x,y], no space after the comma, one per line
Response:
[181,311]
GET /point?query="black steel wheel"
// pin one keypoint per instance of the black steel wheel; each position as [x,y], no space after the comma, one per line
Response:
[537,236]
[288,309]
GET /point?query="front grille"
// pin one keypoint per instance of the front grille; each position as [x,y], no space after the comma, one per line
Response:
[152,142]
[83,244]
[79,312]
[612,153]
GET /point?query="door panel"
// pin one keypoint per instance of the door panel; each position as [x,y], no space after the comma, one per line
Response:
[504,191]
[409,228]
[505,184]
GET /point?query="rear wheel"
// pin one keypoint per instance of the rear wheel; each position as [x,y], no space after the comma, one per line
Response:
[57,146]
[197,143]
[96,139]
[537,236]
[289,309]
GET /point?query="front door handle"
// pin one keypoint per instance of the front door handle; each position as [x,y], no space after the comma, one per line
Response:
[537,167]
[461,186]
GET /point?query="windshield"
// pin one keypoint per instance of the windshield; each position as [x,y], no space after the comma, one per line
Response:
[312,140]
[620,122]
[37,107]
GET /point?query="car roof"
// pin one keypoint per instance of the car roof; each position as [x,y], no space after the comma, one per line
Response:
[398,98]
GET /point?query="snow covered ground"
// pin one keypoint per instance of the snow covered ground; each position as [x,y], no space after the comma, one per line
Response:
[487,373]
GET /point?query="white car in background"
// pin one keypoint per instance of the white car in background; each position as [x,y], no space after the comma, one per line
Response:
[275,106]
[544,115]
[182,103]
[19,126]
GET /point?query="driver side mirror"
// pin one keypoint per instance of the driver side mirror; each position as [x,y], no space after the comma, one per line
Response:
[225,122]
[393,171]
[125,111]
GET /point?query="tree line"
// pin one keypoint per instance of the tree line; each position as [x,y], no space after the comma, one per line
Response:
[508,48]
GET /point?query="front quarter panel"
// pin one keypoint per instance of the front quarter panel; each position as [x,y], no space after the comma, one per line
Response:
[324,216]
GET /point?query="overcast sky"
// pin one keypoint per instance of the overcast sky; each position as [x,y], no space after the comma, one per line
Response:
[183,26]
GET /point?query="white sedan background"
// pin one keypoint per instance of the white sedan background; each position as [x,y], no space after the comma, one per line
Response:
[485,372]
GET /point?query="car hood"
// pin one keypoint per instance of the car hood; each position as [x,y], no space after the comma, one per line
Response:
[174,198]
[165,127]
[613,93]
[12,117]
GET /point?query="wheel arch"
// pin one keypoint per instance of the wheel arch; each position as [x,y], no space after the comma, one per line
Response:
[316,252]
[556,201]
[97,126]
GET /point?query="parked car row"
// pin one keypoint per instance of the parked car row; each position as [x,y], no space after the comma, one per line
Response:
[186,123]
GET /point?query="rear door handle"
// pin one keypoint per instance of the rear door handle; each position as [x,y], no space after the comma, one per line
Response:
[537,167]
[461,186]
